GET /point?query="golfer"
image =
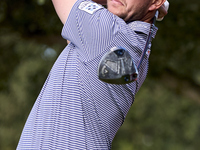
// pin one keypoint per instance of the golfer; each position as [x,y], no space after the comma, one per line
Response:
[75,110]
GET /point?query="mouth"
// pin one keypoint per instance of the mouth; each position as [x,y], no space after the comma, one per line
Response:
[117,2]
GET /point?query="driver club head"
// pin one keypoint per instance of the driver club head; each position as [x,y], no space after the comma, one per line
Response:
[117,67]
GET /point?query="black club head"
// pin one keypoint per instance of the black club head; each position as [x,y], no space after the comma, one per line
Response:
[117,67]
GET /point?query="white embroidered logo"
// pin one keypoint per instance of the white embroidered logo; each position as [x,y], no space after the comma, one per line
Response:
[89,7]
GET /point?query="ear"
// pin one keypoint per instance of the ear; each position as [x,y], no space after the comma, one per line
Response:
[156,4]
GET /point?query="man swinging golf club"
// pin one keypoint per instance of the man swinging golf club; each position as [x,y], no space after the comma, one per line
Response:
[76,110]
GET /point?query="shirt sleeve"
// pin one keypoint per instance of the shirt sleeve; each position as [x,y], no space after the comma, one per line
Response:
[91,27]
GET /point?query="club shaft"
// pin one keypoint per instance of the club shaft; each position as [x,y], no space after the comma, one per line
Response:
[148,40]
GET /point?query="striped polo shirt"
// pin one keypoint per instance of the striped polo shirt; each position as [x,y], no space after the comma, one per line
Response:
[75,110]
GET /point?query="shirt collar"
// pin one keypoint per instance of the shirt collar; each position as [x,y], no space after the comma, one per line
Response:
[140,26]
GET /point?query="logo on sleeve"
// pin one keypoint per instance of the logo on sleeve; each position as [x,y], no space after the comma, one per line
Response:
[89,7]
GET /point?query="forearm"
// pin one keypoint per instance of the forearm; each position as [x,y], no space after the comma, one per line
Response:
[63,8]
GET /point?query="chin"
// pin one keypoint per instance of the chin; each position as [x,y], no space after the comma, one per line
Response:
[117,12]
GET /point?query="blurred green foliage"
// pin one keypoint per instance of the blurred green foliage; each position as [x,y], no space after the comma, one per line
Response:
[166,112]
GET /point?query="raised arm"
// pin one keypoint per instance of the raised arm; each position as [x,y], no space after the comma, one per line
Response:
[63,8]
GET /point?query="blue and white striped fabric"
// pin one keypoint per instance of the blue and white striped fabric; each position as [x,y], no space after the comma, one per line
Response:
[75,110]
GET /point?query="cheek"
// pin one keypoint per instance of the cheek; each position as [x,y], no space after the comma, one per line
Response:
[136,13]
[131,12]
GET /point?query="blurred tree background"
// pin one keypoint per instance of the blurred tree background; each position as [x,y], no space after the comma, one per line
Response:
[166,112]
